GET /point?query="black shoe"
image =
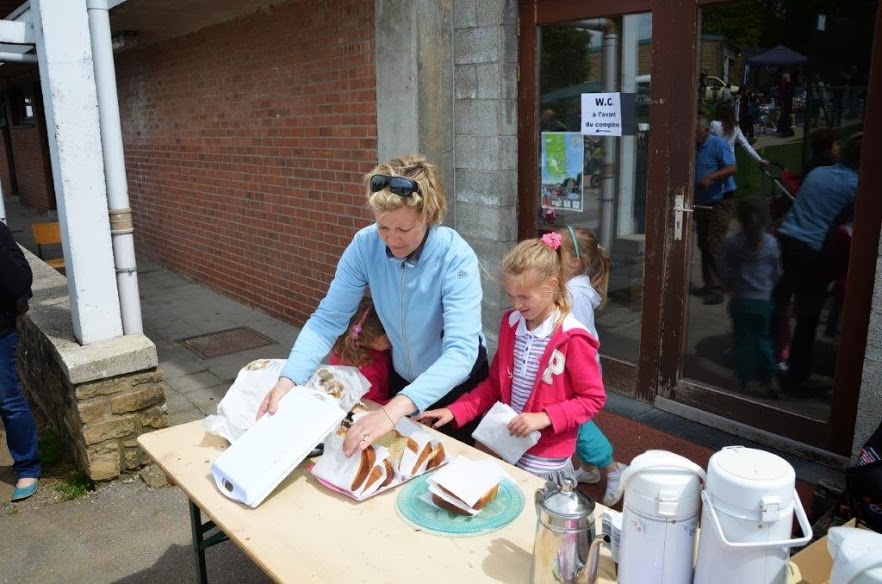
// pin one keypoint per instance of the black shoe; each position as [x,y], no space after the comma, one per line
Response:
[713,298]
[699,290]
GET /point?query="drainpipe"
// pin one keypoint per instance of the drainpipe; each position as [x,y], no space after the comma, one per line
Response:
[121,227]
[609,84]
[18,57]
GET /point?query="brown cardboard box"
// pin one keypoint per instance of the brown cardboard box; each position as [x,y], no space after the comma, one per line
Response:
[814,562]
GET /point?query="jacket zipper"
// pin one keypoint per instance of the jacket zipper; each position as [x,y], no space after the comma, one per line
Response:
[403,329]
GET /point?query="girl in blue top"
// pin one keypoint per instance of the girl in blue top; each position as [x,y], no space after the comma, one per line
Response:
[588,268]
[426,287]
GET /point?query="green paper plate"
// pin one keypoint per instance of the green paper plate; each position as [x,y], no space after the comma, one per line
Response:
[501,511]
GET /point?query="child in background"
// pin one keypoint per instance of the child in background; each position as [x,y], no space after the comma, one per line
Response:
[587,269]
[546,367]
[366,346]
[750,266]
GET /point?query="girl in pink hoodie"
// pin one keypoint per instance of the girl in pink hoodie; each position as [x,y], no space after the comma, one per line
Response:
[546,366]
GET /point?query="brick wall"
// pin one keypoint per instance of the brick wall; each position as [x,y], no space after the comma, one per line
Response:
[5,177]
[33,171]
[245,146]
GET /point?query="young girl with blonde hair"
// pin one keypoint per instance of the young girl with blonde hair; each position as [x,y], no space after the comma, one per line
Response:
[366,346]
[587,267]
[546,367]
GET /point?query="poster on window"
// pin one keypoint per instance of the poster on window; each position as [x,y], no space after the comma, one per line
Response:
[563,159]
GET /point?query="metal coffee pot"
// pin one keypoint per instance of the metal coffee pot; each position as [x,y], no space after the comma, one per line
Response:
[564,532]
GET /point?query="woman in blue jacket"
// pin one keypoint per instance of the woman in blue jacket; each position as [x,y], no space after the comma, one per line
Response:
[425,283]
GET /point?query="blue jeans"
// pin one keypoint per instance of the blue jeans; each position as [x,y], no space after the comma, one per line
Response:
[21,431]
[592,446]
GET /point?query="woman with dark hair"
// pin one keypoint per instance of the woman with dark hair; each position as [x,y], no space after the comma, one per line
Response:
[726,128]
[825,149]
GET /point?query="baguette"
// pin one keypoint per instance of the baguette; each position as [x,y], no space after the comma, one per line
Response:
[368,457]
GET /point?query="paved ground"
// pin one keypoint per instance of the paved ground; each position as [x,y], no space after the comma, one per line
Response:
[92,539]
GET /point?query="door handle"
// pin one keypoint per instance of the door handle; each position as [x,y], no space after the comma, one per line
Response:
[679,208]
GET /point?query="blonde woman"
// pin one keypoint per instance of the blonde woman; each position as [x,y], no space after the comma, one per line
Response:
[426,288]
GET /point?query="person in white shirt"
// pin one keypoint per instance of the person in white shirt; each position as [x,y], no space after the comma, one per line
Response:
[726,128]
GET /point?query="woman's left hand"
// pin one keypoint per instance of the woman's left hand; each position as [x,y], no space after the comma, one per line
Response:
[365,430]
[523,424]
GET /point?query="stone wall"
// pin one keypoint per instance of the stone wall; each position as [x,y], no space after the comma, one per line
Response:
[869,409]
[485,127]
[100,397]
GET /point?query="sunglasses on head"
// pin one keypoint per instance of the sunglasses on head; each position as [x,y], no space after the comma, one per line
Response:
[403,187]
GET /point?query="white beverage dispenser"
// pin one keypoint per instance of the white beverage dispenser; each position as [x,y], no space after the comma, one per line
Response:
[749,502]
[662,497]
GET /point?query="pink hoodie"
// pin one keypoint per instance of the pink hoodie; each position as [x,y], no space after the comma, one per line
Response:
[569,389]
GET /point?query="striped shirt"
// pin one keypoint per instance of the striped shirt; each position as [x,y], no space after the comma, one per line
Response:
[529,348]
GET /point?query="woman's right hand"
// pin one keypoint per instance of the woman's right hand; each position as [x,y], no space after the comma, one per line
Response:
[270,403]
[441,416]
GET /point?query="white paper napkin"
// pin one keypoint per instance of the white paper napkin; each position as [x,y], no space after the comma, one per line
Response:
[493,433]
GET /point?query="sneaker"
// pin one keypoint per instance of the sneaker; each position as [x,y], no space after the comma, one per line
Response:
[613,493]
[589,477]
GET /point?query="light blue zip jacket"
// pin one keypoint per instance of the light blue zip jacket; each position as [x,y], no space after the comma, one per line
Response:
[431,311]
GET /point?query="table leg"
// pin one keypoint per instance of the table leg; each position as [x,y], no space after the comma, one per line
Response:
[200,542]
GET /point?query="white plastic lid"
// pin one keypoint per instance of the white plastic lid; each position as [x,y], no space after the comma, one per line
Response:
[750,483]
[664,485]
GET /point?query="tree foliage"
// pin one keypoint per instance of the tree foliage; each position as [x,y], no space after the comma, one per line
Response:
[564,57]
[742,23]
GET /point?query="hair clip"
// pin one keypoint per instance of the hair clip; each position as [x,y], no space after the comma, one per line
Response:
[575,241]
[356,330]
[552,240]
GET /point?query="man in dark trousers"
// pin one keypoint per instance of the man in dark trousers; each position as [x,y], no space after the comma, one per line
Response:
[714,205]
[21,431]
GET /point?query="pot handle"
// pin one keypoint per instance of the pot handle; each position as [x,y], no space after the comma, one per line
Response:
[673,465]
[592,562]
[785,543]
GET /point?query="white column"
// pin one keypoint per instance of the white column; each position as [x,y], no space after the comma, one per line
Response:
[67,76]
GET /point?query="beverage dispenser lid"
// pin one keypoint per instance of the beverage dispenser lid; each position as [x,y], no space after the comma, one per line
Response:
[662,484]
[566,501]
[743,480]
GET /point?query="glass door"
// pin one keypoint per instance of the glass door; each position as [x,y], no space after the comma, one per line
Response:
[768,253]
[595,182]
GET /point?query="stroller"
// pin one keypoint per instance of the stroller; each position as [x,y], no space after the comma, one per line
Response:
[784,183]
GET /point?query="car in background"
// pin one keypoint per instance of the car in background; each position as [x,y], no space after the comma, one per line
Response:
[716,89]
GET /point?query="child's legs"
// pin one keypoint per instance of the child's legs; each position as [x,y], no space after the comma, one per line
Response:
[744,346]
[765,347]
[592,446]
